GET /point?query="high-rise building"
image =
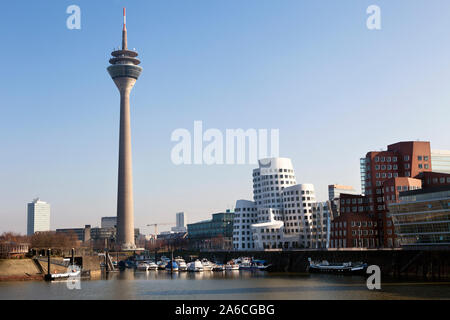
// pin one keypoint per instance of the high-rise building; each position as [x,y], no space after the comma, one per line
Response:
[38,216]
[180,223]
[124,71]
[440,161]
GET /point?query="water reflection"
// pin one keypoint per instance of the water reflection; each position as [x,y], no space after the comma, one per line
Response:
[258,285]
[130,274]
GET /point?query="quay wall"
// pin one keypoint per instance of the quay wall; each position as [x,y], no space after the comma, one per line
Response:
[397,262]
[19,269]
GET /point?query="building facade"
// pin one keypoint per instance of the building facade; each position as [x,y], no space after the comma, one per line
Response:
[216,233]
[245,214]
[440,161]
[38,216]
[403,159]
[335,190]
[109,222]
[422,217]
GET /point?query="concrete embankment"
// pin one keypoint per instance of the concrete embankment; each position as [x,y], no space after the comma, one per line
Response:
[35,269]
[432,264]
[19,269]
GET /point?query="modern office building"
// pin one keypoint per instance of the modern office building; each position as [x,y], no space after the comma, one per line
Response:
[38,216]
[440,161]
[335,190]
[422,217]
[180,223]
[88,233]
[124,71]
[216,233]
[245,215]
[109,222]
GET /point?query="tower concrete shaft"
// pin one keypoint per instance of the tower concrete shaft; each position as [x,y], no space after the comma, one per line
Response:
[125,209]
[124,71]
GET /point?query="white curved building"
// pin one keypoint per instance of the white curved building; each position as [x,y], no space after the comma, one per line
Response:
[298,201]
[270,180]
[245,214]
[287,214]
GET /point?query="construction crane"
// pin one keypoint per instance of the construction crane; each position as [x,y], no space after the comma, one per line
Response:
[159,224]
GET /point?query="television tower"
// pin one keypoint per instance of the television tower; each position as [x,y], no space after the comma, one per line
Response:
[124,71]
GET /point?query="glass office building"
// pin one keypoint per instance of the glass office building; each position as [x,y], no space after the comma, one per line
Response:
[440,161]
[221,224]
[422,217]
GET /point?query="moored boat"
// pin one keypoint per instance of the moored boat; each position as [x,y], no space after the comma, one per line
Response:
[152,266]
[143,266]
[207,266]
[338,268]
[195,266]
[231,266]
[182,266]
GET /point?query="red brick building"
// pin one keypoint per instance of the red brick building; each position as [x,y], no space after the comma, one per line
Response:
[434,179]
[356,226]
[386,173]
[402,159]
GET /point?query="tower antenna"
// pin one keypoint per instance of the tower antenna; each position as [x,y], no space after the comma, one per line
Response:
[124,31]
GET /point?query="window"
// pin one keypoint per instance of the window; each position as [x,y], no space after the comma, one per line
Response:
[419,158]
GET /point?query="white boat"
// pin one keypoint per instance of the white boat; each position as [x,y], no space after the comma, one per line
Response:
[67,275]
[207,266]
[143,266]
[195,266]
[162,265]
[231,265]
[152,266]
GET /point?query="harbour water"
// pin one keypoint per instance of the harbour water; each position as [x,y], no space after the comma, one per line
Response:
[132,284]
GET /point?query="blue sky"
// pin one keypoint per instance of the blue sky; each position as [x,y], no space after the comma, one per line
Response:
[311,69]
